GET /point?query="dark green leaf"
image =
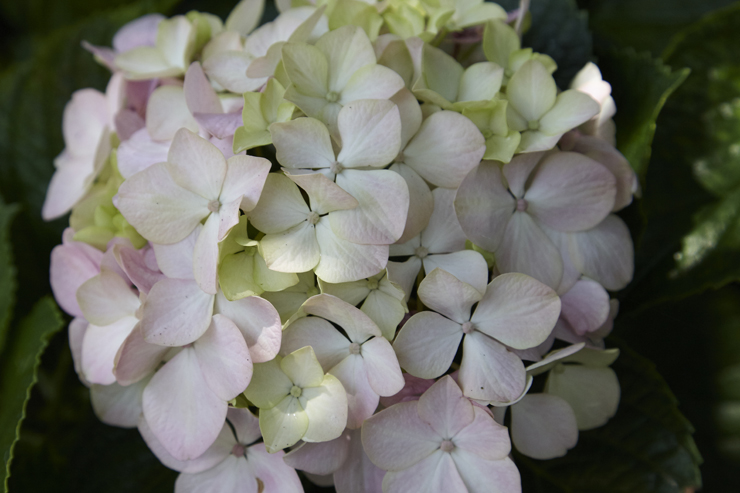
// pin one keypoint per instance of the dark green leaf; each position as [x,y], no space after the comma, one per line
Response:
[692,200]
[646,448]
[7,271]
[18,372]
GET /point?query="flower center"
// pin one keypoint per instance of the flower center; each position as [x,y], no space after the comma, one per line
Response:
[421,252]
[521,205]
[238,450]
[313,218]
[533,124]
[332,96]
[336,167]
[372,284]
[296,391]
[354,348]
[214,205]
[447,446]
[468,327]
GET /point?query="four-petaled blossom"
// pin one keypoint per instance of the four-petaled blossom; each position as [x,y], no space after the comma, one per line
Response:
[297,400]
[515,311]
[165,202]
[441,443]
[363,360]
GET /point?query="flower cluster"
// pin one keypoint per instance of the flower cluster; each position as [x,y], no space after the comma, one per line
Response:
[337,243]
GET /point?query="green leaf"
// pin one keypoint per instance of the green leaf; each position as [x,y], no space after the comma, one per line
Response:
[640,87]
[646,448]
[692,199]
[7,271]
[19,367]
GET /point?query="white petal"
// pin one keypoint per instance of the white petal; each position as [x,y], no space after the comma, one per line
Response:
[320,458]
[362,400]
[358,326]
[99,348]
[280,207]
[467,265]
[224,358]
[275,474]
[358,471]
[176,313]
[116,405]
[258,322]
[106,298]
[483,437]
[325,196]
[404,274]
[229,69]
[344,261]
[137,358]
[196,164]
[443,234]
[302,143]
[444,293]
[585,306]
[176,260]
[199,94]
[488,371]
[182,411]
[483,476]
[517,171]
[383,371]
[371,82]
[570,110]
[605,253]
[205,255]
[370,131]
[421,202]
[232,475]
[386,311]
[435,474]
[329,345]
[426,344]
[294,250]
[543,426]
[445,408]
[139,152]
[167,112]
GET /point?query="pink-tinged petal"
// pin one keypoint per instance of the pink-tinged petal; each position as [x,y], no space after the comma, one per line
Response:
[224,358]
[344,261]
[167,112]
[543,426]
[77,329]
[562,242]
[605,253]
[527,249]
[549,361]
[396,438]
[176,260]
[483,437]
[411,391]
[380,217]
[484,206]
[205,254]
[160,209]
[85,117]
[106,298]
[333,346]
[181,409]
[68,186]
[176,312]
[357,471]
[221,126]
[232,475]
[467,265]
[215,454]
[370,132]
[444,293]
[489,372]
[197,165]
[245,179]
[517,171]
[571,192]
[426,344]
[139,152]
[136,358]
[324,195]
[99,348]
[362,400]
[320,458]
[446,148]
[199,94]
[245,424]
[484,476]
[116,405]
[445,408]
[258,322]
[302,143]
[139,32]
[443,234]
[229,69]
[228,217]
[585,306]
[421,202]
[381,364]
[275,475]
[127,123]
[71,266]
[435,474]
[134,266]
[517,310]
[358,326]
[102,54]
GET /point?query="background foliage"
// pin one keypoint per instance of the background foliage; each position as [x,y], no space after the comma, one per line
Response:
[681,313]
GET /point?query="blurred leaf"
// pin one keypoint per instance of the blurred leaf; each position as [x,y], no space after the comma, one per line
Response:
[18,369]
[640,87]
[46,15]
[692,195]
[7,271]
[646,448]
[644,24]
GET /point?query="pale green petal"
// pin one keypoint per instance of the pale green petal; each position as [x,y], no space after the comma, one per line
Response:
[236,276]
[440,73]
[326,408]
[571,108]
[269,385]
[303,368]
[293,250]
[283,425]
[347,49]
[499,41]
[532,91]
[307,68]
[480,82]
[593,393]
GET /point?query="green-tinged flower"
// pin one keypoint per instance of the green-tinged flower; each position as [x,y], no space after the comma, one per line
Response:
[502,45]
[95,219]
[490,118]
[445,83]
[297,400]
[243,272]
[459,14]
[356,13]
[260,110]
